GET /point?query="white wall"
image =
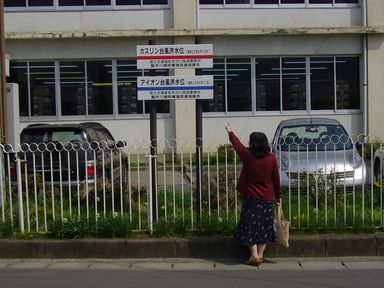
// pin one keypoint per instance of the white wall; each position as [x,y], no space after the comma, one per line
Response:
[275,18]
[87,20]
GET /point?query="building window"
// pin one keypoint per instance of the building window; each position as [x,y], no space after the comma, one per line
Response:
[127,74]
[54,4]
[280,84]
[155,2]
[99,87]
[73,85]
[42,88]
[257,3]
[71,2]
[294,86]
[128,2]
[322,83]
[347,83]
[218,103]
[84,88]
[97,2]
[33,3]
[239,91]
[19,75]
[268,84]
[15,3]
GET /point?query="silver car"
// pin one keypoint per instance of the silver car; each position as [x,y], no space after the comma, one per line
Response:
[318,147]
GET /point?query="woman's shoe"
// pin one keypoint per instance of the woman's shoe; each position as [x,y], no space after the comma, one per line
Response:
[254,262]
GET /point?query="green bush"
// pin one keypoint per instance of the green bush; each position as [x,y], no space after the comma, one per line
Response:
[73,228]
[114,226]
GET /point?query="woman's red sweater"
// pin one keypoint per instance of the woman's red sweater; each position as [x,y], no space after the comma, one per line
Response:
[259,177]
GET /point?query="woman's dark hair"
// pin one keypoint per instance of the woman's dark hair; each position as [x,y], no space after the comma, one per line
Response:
[258,144]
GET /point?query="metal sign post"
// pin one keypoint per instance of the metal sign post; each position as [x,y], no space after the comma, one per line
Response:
[175,88]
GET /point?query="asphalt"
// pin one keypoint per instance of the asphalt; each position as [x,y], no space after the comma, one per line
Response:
[319,247]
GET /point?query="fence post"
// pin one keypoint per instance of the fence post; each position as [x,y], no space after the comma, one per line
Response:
[150,195]
[20,194]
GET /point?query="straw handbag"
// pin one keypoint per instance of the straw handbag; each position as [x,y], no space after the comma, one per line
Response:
[281,226]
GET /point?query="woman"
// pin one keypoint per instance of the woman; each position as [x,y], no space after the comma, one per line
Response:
[259,182]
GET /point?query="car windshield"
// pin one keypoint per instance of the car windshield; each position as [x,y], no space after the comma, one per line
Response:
[40,136]
[314,137]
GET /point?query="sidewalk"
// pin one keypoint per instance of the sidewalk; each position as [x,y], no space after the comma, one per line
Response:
[188,264]
[194,247]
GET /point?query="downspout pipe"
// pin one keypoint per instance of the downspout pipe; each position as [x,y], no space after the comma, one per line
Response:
[197,12]
[365,66]
[3,95]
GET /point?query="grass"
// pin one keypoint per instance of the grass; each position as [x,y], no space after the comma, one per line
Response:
[332,213]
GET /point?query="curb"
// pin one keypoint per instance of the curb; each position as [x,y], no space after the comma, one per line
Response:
[194,247]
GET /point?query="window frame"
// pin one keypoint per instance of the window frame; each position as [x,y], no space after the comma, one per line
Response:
[253,112]
[84,7]
[306,4]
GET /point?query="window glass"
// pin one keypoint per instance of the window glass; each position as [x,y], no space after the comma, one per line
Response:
[19,75]
[347,83]
[98,2]
[292,1]
[72,84]
[66,136]
[99,83]
[266,1]
[347,1]
[322,83]
[162,105]
[128,2]
[217,104]
[320,1]
[239,93]
[237,1]
[268,84]
[212,2]
[294,83]
[127,74]
[71,2]
[315,137]
[15,3]
[32,3]
[42,88]
[155,2]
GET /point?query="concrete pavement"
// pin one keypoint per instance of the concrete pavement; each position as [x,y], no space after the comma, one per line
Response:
[191,264]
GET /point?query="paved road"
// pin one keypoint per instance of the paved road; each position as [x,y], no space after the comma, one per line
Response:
[98,273]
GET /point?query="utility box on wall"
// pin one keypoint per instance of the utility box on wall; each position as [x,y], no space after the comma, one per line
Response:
[13,117]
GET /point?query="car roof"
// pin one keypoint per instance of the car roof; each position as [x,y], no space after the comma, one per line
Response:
[76,126]
[309,121]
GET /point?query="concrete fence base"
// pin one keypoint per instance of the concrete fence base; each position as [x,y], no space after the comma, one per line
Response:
[194,247]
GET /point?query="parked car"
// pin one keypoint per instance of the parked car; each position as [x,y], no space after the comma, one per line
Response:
[378,167]
[73,153]
[317,146]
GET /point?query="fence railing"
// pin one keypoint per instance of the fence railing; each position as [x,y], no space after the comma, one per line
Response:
[334,183]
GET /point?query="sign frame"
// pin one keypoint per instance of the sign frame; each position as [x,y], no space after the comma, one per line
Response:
[174,56]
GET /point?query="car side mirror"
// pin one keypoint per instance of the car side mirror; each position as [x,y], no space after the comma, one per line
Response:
[121,144]
[358,145]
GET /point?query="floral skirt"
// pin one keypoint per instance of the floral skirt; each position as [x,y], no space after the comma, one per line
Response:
[256,222]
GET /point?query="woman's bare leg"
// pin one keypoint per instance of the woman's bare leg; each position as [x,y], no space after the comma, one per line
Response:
[260,250]
[254,252]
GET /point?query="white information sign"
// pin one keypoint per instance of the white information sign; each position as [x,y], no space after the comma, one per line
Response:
[174,56]
[175,87]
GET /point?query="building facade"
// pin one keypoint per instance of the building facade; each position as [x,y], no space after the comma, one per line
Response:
[74,60]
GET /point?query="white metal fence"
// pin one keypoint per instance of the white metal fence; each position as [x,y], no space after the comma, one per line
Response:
[325,184]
